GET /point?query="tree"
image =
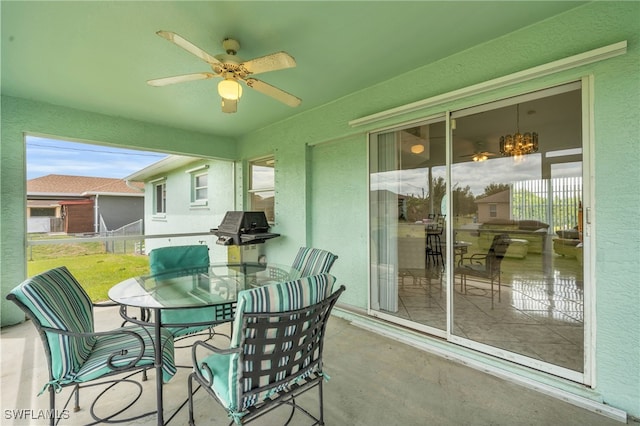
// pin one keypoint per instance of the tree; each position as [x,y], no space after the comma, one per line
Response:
[494,188]
[463,201]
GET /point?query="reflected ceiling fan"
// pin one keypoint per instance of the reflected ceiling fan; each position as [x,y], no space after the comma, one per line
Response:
[232,70]
[479,154]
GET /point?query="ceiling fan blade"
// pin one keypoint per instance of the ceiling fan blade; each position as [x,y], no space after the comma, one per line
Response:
[229,105]
[273,62]
[188,46]
[181,78]
[274,92]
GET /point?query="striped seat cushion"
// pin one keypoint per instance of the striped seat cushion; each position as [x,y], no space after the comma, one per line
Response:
[57,301]
[312,261]
[96,365]
[279,297]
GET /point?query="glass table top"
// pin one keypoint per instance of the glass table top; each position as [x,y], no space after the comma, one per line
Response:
[193,287]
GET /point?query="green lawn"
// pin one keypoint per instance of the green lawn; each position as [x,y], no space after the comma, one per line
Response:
[96,270]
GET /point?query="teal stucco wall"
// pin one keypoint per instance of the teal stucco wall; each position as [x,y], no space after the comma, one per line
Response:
[333,190]
[321,168]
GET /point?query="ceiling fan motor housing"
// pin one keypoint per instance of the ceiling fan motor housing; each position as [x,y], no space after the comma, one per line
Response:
[230,46]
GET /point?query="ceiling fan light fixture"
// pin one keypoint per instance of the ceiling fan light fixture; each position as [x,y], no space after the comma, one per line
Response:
[230,89]
[480,157]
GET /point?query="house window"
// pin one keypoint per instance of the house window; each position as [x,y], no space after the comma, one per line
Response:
[493,210]
[43,212]
[160,197]
[262,186]
[199,188]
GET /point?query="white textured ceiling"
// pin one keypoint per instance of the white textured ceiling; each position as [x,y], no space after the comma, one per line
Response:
[97,56]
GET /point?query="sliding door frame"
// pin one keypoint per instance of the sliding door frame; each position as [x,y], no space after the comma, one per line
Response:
[587,376]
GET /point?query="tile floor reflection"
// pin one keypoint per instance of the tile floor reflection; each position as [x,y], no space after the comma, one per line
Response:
[541,317]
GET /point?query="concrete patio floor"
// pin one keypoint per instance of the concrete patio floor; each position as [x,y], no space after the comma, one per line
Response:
[374,381]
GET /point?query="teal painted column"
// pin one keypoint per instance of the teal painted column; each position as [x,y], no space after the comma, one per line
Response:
[12,211]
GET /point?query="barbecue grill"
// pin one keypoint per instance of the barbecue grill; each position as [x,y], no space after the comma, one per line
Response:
[239,228]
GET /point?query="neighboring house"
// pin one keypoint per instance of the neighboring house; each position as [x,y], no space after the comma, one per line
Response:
[81,204]
[494,206]
[184,195]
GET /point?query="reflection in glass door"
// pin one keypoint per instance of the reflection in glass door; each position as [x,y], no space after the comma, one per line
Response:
[517,224]
[500,269]
[408,222]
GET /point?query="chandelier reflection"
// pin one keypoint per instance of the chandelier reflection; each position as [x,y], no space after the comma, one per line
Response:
[518,144]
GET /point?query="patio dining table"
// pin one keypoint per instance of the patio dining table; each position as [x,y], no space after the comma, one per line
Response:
[217,285]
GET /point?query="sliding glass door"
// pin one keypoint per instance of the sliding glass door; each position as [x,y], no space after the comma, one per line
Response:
[497,250]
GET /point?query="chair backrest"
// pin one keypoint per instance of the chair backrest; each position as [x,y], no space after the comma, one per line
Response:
[312,261]
[280,328]
[54,299]
[183,258]
[497,251]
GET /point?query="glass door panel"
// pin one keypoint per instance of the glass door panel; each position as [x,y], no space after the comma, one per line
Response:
[408,222]
[517,223]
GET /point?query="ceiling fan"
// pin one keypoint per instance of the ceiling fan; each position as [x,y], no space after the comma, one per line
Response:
[479,154]
[232,70]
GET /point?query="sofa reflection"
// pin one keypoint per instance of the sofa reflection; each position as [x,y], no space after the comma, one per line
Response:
[527,236]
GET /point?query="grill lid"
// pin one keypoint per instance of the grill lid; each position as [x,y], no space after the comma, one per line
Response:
[240,228]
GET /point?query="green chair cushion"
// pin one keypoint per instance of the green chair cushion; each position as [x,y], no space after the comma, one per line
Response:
[57,301]
[96,365]
[180,258]
[190,316]
[165,259]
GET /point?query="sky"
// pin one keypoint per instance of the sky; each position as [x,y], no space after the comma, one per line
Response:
[49,156]
[476,175]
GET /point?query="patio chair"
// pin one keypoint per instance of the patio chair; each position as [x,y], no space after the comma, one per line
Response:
[76,354]
[275,353]
[174,261]
[312,261]
[485,266]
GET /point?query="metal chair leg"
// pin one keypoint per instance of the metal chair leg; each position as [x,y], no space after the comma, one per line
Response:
[52,404]
[76,390]
[190,390]
[321,404]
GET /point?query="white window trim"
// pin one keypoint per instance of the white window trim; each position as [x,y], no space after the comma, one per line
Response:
[250,189]
[155,215]
[195,202]
[197,169]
